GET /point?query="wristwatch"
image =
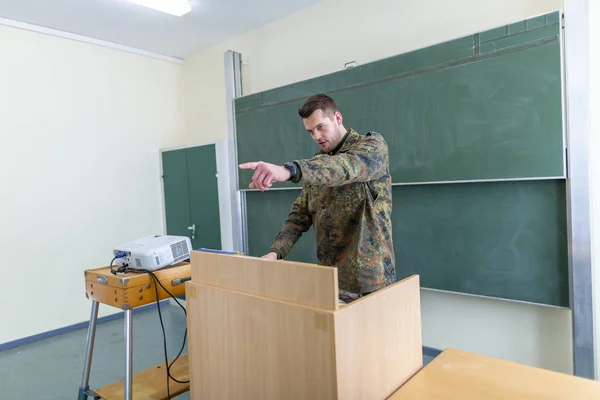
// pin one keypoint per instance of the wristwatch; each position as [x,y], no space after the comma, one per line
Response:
[293,168]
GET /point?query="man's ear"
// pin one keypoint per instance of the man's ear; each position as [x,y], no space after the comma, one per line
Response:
[338,117]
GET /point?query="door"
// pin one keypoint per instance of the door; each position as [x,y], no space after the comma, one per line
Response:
[191,195]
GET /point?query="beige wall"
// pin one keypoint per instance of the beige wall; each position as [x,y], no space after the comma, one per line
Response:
[320,40]
[80,129]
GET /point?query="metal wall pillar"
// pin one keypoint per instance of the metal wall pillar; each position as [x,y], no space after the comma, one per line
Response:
[577,85]
[233,87]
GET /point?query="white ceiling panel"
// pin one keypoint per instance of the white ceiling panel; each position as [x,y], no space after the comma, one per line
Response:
[210,22]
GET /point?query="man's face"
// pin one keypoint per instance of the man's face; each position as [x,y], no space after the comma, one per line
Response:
[326,130]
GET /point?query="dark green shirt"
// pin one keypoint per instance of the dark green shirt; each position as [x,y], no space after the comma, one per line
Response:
[347,197]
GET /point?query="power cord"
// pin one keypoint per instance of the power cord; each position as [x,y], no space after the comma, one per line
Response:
[120,254]
[125,269]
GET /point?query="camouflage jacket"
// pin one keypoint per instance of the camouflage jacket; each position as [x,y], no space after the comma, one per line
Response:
[347,197]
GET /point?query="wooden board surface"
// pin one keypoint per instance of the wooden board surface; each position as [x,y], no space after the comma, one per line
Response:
[299,283]
[378,341]
[179,270]
[132,297]
[456,374]
[247,347]
[132,290]
[151,384]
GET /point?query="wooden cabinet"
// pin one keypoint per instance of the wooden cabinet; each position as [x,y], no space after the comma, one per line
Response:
[264,329]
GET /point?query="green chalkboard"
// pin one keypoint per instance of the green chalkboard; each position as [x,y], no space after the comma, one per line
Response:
[497,239]
[266,212]
[475,134]
[484,107]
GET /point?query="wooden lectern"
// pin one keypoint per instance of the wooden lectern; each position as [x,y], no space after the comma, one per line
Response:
[261,329]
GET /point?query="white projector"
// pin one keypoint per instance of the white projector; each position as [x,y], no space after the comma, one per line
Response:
[154,252]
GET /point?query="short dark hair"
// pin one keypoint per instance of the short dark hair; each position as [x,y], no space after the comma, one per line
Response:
[318,102]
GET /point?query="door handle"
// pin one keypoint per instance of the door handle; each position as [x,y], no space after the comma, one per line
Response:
[193,229]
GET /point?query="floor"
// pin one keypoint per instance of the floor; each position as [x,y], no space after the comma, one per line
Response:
[51,369]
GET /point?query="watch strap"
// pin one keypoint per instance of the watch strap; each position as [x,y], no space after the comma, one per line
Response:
[293,168]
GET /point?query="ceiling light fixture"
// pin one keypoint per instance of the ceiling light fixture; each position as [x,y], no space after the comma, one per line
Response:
[173,7]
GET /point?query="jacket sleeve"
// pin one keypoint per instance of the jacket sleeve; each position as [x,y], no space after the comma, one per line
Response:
[367,161]
[298,221]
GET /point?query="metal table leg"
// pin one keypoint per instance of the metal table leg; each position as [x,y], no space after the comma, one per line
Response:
[128,353]
[89,349]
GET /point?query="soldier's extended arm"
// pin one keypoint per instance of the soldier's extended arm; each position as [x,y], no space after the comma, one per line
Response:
[297,222]
[367,161]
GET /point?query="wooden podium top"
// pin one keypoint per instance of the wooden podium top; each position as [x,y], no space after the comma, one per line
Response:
[456,374]
[299,283]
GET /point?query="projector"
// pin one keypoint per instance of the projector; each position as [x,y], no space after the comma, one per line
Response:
[154,252]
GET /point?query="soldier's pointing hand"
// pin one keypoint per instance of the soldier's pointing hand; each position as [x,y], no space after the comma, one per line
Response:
[266,174]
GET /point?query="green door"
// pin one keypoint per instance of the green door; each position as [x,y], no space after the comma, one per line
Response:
[176,192]
[204,196]
[191,195]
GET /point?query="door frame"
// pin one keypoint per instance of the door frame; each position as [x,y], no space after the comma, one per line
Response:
[223,186]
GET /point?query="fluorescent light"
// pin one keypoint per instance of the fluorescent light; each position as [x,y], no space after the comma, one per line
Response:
[173,7]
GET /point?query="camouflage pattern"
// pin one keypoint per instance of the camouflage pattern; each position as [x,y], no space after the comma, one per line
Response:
[347,196]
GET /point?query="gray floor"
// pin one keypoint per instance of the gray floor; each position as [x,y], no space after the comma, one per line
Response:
[51,369]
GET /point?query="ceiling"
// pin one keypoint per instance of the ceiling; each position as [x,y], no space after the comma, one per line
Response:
[210,22]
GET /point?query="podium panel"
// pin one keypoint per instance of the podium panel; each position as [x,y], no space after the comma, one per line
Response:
[261,329]
[248,347]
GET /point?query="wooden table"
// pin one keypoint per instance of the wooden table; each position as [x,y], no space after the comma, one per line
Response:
[128,291]
[456,374]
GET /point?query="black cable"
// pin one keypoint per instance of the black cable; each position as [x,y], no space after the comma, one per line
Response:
[184,335]
[120,254]
[157,282]
[111,266]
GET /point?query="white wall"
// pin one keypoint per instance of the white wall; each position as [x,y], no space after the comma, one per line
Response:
[320,40]
[594,39]
[80,129]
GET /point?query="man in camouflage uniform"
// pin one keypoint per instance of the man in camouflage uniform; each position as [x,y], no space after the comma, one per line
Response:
[346,195]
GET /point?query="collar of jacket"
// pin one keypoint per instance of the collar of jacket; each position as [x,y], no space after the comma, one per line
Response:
[347,141]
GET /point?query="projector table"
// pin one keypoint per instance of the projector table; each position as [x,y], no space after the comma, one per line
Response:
[128,291]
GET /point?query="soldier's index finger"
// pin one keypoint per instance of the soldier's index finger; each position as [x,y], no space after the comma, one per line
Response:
[249,165]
